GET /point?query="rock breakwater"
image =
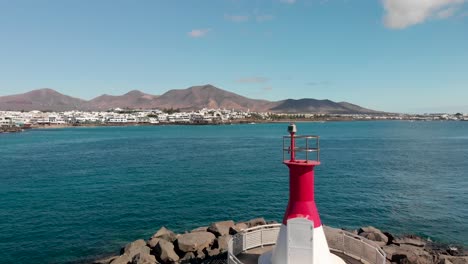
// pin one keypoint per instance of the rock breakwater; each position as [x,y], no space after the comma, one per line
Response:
[209,244]
[10,129]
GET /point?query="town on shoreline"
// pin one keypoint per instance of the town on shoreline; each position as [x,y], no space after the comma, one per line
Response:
[17,121]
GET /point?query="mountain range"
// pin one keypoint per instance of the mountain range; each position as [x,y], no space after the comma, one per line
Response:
[192,98]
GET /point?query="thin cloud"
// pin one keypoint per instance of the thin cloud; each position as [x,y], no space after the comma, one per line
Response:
[268,88]
[288,1]
[252,80]
[264,18]
[318,83]
[198,33]
[236,18]
[400,14]
[446,13]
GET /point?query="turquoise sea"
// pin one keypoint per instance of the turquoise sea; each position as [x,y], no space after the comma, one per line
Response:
[70,195]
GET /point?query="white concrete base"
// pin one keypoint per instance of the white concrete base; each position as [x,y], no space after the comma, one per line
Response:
[265,258]
[336,260]
[321,252]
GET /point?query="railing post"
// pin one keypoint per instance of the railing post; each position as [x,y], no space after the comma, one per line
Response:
[362,249]
[243,241]
[344,248]
[261,237]
[318,149]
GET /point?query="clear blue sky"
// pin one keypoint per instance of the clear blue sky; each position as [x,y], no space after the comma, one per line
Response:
[392,55]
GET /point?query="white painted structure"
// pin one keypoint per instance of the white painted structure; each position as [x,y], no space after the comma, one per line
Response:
[340,242]
[300,243]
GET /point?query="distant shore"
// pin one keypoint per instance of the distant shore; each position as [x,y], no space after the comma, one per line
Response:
[15,129]
[12,129]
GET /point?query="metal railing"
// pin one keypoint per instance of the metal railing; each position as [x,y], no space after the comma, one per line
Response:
[251,238]
[339,241]
[354,246]
[310,147]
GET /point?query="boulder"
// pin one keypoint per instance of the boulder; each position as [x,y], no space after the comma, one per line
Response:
[444,259]
[105,260]
[141,258]
[152,242]
[137,246]
[197,241]
[223,242]
[257,222]
[123,259]
[201,254]
[221,228]
[165,251]
[455,251]
[374,234]
[200,229]
[213,252]
[237,228]
[408,254]
[413,241]
[166,234]
[188,257]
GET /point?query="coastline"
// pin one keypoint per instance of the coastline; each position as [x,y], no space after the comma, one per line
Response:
[209,244]
[16,129]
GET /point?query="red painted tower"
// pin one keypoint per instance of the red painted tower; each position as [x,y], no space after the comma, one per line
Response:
[301,180]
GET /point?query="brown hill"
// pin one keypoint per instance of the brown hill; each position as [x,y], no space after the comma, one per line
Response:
[42,99]
[132,99]
[318,106]
[357,109]
[197,97]
[192,98]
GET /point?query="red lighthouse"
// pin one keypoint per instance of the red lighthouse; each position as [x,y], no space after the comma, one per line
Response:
[301,180]
[301,239]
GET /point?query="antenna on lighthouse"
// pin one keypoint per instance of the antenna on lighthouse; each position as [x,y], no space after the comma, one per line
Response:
[292,130]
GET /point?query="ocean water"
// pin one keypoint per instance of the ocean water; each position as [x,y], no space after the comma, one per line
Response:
[70,195]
